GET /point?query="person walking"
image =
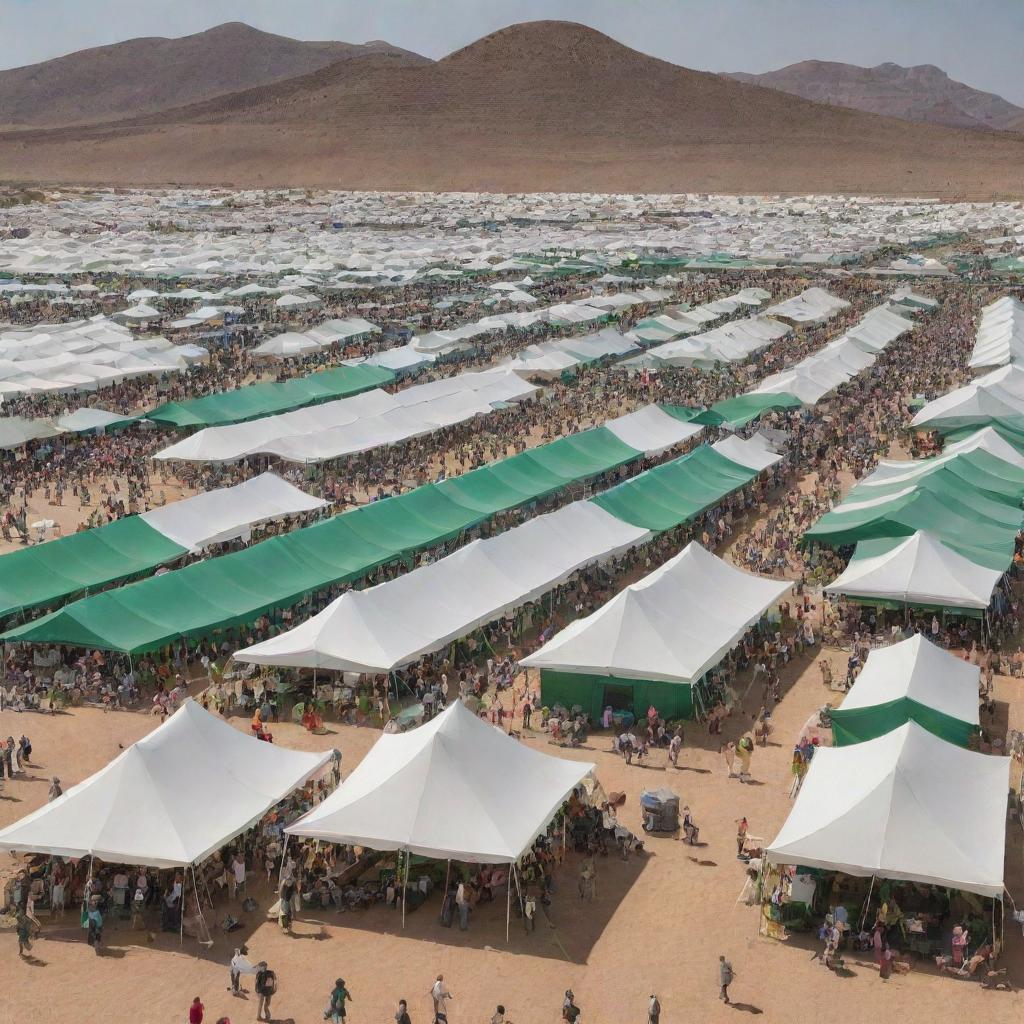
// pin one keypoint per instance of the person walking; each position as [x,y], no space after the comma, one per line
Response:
[54,791]
[195,1011]
[440,995]
[570,1011]
[339,995]
[726,975]
[24,940]
[402,1013]
[240,964]
[653,1010]
[266,987]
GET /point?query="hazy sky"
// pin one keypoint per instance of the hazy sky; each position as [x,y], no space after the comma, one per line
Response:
[980,42]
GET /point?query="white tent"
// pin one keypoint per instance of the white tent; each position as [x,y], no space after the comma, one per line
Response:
[672,625]
[919,570]
[811,306]
[287,345]
[455,789]
[395,623]
[905,806]
[229,512]
[1000,337]
[917,670]
[169,800]
[652,430]
[755,452]
[85,419]
[997,394]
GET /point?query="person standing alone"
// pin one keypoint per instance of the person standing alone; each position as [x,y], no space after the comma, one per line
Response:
[725,977]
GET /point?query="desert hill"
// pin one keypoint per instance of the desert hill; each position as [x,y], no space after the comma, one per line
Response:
[923,93]
[141,76]
[538,106]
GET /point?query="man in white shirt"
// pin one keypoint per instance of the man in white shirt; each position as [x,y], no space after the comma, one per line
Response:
[240,964]
[462,904]
[440,995]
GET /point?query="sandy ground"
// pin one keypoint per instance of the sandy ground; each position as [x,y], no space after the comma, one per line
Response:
[658,921]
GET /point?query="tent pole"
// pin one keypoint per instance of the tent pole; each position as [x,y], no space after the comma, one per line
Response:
[181,909]
[447,876]
[867,903]
[284,859]
[199,904]
[508,904]
[405,885]
[519,891]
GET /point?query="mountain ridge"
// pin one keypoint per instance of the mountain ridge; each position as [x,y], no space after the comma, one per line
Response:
[542,106]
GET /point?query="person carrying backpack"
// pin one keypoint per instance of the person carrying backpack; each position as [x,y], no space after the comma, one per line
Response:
[266,987]
[336,1011]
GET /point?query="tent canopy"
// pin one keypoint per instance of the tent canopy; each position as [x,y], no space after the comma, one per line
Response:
[455,788]
[673,625]
[397,622]
[905,806]
[919,571]
[914,680]
[169,800]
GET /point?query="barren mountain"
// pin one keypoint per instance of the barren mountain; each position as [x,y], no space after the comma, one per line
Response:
[922,93]
[540,106]
[141,76]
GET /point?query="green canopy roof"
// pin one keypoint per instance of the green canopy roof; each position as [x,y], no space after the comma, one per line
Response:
[961,521]
[237,588]
[676,492]
[741,409]
[868,723]
[267,399]
[977,472]
[45,573]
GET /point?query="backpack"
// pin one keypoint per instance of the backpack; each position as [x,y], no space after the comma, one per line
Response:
[268,983]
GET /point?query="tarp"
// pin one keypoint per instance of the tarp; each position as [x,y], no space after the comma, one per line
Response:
[906,806]
[910,681]
[673,625]
[396,623]
[675,492]
[455,788]
[919,571]
[47,573]
[254,400]
[276,573]
[171,799]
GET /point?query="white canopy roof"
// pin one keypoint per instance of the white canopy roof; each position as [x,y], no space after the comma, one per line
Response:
[997,394]
[918,670]
[905,806]
[672,625]
[228,512]
[1000,337]
[455,788]
[357,423]
[170,799]
[813,305]
[650,429]
[397,622]
[918,570]
[987,439]
[755,452]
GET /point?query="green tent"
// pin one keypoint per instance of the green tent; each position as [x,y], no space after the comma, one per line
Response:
[676,492]
[970,473]
[860,724]
[237,588]
[46,573]
[961,521]
[594,693]
[267,399]
[742,409]
[913,680]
